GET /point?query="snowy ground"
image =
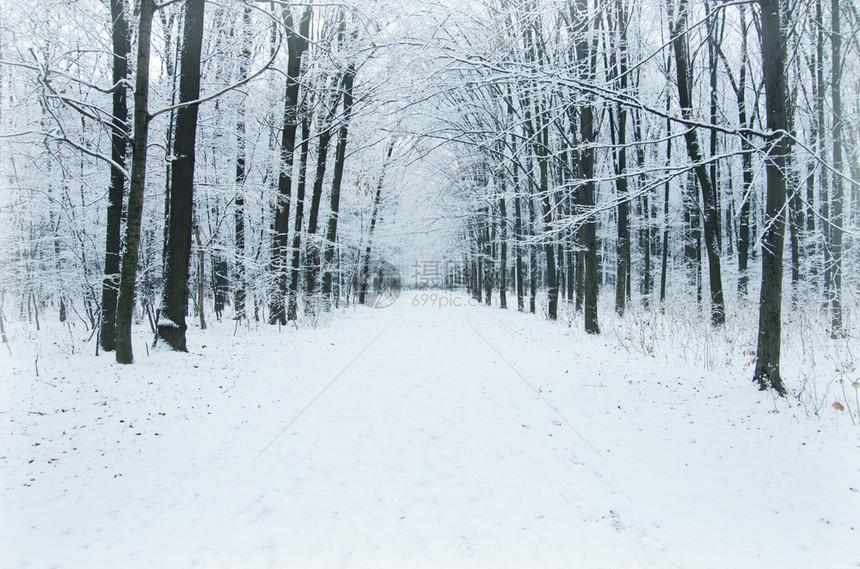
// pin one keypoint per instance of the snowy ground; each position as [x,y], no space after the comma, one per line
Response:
[414,436]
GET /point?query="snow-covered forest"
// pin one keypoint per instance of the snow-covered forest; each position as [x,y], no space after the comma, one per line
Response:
[630,225]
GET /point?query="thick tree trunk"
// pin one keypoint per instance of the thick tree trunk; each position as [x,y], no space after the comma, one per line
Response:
[168,16]
[767,372]
[171,325]
[586,54]
[125,302]
[121,39]
[297,43]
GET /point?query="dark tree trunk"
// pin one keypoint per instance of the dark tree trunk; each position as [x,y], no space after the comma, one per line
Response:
[201,272]
[664,265]
[795,216]
[712,221]
[168,17]
[619,134]
[586,54]
[767,373]
[365,266]
[648,246]
[811,168]
[518,213]
[533,264]
[488,256]
[824,197]
[518,236]
[746,165]
[171,322]
[549,246]
[339,160]
[120,36]
[714,27]
[220,284]
[125,302]
[836,213]
[241,175]
[312,261]
[295,269]
[297,43]
[503,253]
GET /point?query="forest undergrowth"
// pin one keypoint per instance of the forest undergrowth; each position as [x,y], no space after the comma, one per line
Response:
[820,371]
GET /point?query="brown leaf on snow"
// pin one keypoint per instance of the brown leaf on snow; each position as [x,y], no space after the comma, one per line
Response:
[838,406]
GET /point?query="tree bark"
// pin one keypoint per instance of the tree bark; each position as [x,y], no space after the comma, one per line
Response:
[712,221]
[586,55]
[365,266]
[121,39]
[836,213]
[339,160]
[665,260]
[622,243]
[297,43]
[312,260]
[125,302]
[295,269]
[767,372]
[518,214]
[171,325]
[241,175]
[746,166]
[503,253]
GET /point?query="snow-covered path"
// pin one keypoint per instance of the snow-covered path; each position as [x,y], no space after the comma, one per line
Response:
[415,436]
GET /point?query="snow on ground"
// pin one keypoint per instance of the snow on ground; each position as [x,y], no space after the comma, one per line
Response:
[414,436]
